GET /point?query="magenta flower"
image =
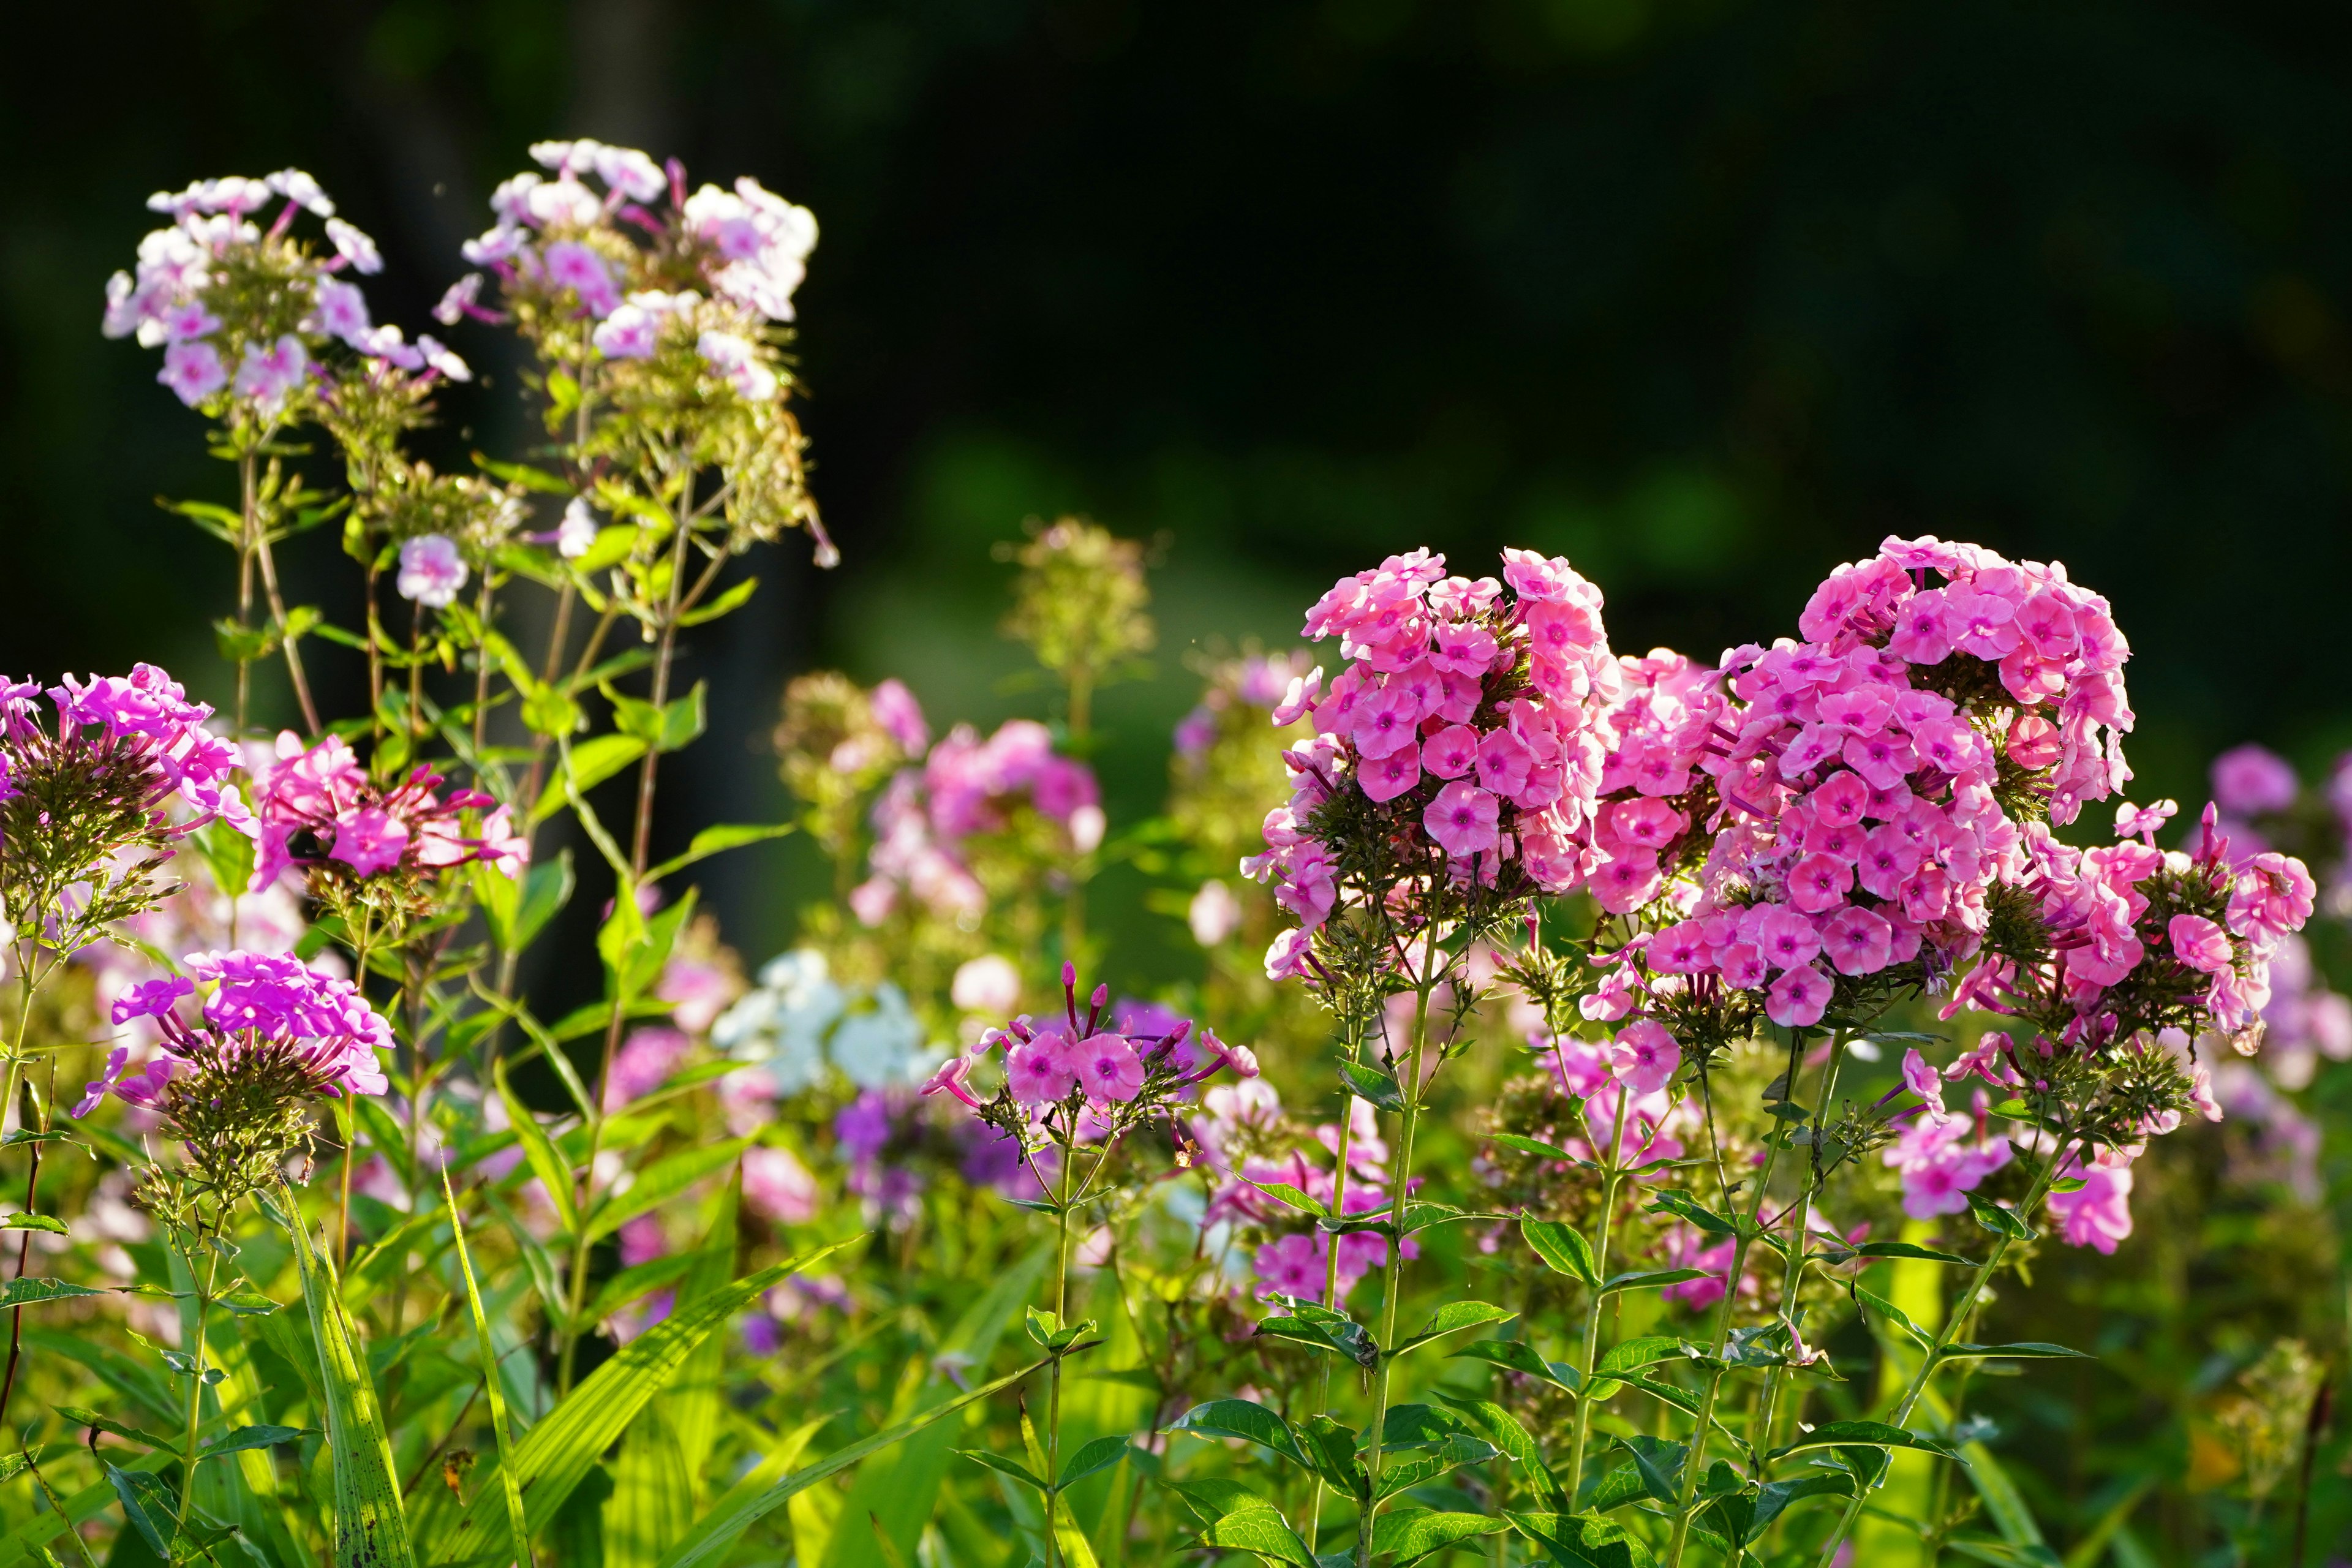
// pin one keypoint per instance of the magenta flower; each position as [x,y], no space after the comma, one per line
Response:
[271,374]
[2097,1214]
[193,371]
[2250,780]
[1461,820]
[1645,1056]
[1799,998]
[1109,1068]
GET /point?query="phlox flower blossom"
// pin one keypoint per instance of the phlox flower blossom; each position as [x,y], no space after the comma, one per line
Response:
[432,571]
[193,371]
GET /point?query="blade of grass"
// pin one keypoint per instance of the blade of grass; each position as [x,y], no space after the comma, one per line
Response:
[518,1529]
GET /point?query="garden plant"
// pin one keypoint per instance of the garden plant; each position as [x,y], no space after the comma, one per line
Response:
[1628,1111]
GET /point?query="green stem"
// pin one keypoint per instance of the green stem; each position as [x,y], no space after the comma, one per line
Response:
[1611,1168]
[1331,1300]
[1928,1364]
[1697,1462]
[197,1385]
[1777,1376]
[1054,1373]
[1400,1178]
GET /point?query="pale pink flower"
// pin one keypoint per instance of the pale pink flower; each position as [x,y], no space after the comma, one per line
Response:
[432,571]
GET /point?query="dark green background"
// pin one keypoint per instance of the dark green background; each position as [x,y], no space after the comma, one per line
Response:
[1708,296]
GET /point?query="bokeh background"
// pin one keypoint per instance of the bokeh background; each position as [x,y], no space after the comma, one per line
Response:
[1706,295]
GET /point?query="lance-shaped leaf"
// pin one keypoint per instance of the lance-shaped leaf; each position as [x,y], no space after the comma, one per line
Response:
[1212,1497]
[1647,1349]
[1538,1148]
[1245,1419]
[1263,1532]
[1005,1467]
[1874,1250]
[1660,1464]
[1893,1314]
[714,1536]
[1583,1540]
[556,1454]
[33,1292]
[1774,1496]
[1331,1449]
[371,1526]
[1100,1455]
[1562,1247]
[1452,1319]
[1373,1084]
[1861,1434]
[1518,1356]
[2021,1349]
[1344,1337]
[1682,1206]
[1406,1535]
[1417,1466]
[554,1173]
[81,1415]
[1999,1220]
[148,1507]
[1651,1278]
[245,1437]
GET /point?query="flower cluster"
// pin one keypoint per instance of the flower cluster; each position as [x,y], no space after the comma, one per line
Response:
[798,1020]
[1081,1077]
[242,312]
[615,272]
[969,787]
[323,792]
[1869,783]
[237,1087]
[838,742]
[1467,733]
[1246,1140]
[1943,1155]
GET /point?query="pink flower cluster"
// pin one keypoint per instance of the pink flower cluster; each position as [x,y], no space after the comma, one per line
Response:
[1856,827]
[1474,710]
[164,302]
[1261,681]
[2108,947]
[255,1002]
[1087,1064]
[323,791]
[966,786]
[1295,1260]
[145,713]
[1943,1156]
[1622,1083]
[557,233]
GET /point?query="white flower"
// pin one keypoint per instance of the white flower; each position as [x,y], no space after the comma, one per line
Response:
[456,298]
[431,570]
[577,532]
[354,246]
[339,311]
[438,356]
[988,985]
[1214,914]
[301,190]
[875,1049]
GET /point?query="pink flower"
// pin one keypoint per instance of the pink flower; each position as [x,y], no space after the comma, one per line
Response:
[1108,1066]
[1451,752]
[193,371]
[2144,823]
[778,1187]
[1798,998]
[1385,778]
[1040,1071]
[2250,780]
[1646,1055]
[1922,1081]
[2098,1212]
[1858,941]
[1785,938]
[988,985]
[2199,943]
[1298,699]
[1462,819]
[1385,720]
[902,717]
[431,570]
[369,840]
[1819,883]
[268,375]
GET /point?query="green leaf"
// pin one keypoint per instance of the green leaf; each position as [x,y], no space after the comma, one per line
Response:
[1649,1278]
[81,1415]
[1997,1219]
[1373,1084]
[683,720]
[1100,1453]
[728,602]
[1331,1449]
[1660,1464]
[1893,1314]
[587,764]
[1212,1497]
[1401,1473]
[33,1222]
[2021,1349]
[1682,1206]
[557,1453]
[245,1437]
[33,1292]
[1245,1419]
[1497,1426]
[1452,1317]
[546,1162]
[1774,1496]
[518,1528]
[1876,1249]
[1518,1356]
[1003,1466]
[1562,1247]
[523,474]
[1583,1540]
[1631,1355]
[2002,1502]
[713,1536]
[1537,1147]
[1289,1194]
[1410,1534]
[718,841]
[662,1183]
[149,1507]
[371,1527]
[1339,1335]
[1861,1434]
[1262,1531]
[633,1283]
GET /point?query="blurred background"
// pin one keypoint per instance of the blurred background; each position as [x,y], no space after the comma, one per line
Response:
[1708,296]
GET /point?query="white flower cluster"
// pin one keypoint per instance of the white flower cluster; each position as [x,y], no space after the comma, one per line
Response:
[799,1019]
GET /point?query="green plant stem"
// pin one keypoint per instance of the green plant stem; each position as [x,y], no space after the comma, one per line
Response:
[1401,1178]
[1612,1173]
[26,984]
[197,1384]
[1961,1308]
[1697,1462]
[1331,1300]
[1054,1373]
[1793,1279]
